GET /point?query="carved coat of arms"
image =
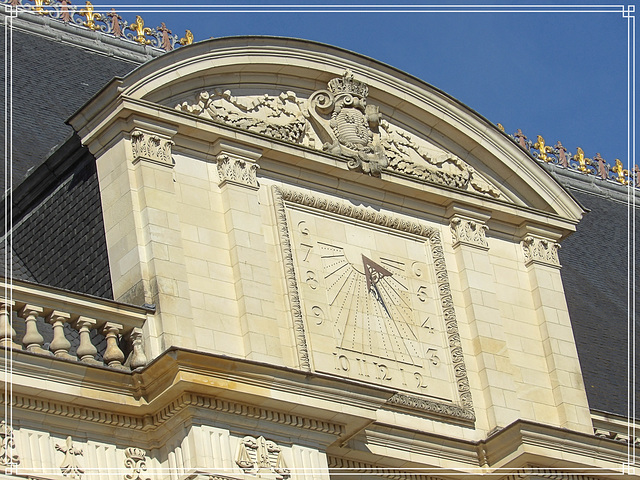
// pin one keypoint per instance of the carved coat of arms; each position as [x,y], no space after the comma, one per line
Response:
[347,125]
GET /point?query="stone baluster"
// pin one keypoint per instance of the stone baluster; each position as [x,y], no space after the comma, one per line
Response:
[32,339]
[59,345]
[7,333]
[138,357]
[113,356]
[86,350]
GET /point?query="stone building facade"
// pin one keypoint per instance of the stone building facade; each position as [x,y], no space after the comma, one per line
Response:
[306,264]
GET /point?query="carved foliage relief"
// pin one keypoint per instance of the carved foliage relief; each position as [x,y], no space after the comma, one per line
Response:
[371,301]
[339,120]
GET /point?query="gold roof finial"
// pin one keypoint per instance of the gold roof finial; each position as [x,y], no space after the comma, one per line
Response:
[541,146]
[187,39]
[141,31]
[621,171]
[500,127]
[38,7]
[582,160]
[90,15]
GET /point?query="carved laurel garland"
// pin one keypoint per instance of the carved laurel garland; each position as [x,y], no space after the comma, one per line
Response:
[292,283]
[465,411]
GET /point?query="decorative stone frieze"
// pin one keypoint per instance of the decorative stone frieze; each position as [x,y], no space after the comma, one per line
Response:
[540,250]
[70,466]
[279,117]
[7,445]
[470,232]
[237,170]
[338,120]
[260,456]
[136,462]
[151,148]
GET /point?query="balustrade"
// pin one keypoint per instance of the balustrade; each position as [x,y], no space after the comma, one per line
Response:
[69,334]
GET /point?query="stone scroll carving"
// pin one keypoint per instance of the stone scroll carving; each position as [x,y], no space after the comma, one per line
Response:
[151,148]
[339,121]
[7,445]
[259,456]
[136,463]
[540,250]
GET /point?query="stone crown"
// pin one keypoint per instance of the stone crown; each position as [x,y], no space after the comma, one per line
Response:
[348,85]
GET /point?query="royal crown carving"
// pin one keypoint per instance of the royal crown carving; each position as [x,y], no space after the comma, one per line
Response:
[136,463]
[338,120]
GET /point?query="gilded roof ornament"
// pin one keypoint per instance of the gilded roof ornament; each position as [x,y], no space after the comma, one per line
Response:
[187,39]
[140,30]
[622,172]
[543,149]
[38,7]
[500,127]
[582,160]
[91,16]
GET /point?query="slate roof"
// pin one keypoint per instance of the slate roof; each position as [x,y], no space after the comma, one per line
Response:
[51,80]
[59,235]
[595,277]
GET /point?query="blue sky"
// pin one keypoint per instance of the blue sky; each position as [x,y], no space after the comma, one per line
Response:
[559,74]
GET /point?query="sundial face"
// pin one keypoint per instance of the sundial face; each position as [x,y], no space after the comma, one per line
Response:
[371,304]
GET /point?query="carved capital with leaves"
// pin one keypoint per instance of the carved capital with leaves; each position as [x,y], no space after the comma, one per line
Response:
[152,148]
[470,232]
[540,250]
[236,170]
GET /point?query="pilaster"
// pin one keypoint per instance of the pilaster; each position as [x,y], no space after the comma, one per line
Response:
[237,167]
[139,201]
[540,254]
[478,285]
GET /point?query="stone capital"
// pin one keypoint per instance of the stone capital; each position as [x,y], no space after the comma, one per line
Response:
[151,147]
[540,250]
[237,164]
[468,227]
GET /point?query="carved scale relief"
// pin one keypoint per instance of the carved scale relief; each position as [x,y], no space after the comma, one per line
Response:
[338,120]
[258,456]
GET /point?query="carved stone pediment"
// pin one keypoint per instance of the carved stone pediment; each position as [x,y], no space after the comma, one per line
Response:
[339,120]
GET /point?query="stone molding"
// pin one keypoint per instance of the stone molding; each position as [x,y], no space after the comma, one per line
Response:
[344,209]
[151,147]
[539,250]
[159,418]
[467,231]
[358,469]
[291,280]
